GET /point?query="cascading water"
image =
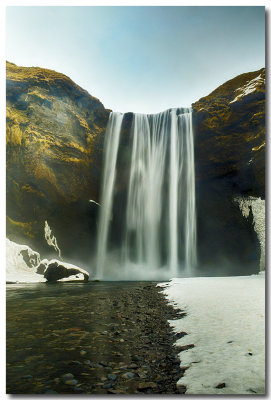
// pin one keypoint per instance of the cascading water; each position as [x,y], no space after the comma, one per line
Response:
[111,152]
[158,235]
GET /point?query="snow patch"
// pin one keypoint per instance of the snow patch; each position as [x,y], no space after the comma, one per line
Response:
[226,324]
[50,239]
[259,147]
[17,268]
[248,88]
[257,206]
[23,265]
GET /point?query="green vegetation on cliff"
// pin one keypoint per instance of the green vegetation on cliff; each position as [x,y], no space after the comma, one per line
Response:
[55,133]
[230,132]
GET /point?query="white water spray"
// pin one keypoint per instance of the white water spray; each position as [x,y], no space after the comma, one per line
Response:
[159,223]
[111,152]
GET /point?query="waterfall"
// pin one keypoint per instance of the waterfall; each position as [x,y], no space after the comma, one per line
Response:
[157,239]
[111,151]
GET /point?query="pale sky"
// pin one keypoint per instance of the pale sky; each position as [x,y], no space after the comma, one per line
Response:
[140,59]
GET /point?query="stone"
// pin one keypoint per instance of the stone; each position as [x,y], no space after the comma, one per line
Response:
[129,375]
[221,385]
[107,386]
[57,270]
[112,377]
[146,385]
[41,269]
[67,376]
[27,377]
[71,382]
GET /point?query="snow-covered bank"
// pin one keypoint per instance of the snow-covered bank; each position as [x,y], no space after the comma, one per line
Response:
[23,265]
[226,324]
[256,206]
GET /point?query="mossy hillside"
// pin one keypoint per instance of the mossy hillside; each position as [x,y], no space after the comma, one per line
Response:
[230,132]
[55,133]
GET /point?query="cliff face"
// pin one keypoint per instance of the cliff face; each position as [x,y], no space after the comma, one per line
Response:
[55,136]
[230,133]
[229,126]
[55,133]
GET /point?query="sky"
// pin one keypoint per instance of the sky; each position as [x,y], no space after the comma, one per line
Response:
[140,59]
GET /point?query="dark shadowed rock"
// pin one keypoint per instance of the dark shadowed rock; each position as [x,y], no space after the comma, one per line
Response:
[41,269]
[30,257]
[56,271]
[229,128]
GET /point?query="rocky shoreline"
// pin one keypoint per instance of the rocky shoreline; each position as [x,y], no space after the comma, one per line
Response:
[95,338]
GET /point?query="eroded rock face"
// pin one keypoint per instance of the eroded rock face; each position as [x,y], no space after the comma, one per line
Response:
[55,133]
[229,126]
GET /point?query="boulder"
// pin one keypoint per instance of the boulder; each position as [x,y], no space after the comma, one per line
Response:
[56,271]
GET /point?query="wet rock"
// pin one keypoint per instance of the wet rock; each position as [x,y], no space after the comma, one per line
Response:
[113,391]
[74,362]
[107,386]
[56,271]
[181,389]
[41,269]
[112,377]
[28,377]
[221,385]
[146,385]
[83,352]
[71,382]
[129,375]
[67,376]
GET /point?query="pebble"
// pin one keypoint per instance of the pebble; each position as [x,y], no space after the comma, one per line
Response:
[146,385]
[107,386]
[221,385]
[83,352]
[75,362]
[27,377]
[129,375]
[112,377]
[67,376]
[71,382]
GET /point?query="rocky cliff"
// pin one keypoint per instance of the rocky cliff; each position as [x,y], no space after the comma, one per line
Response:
[55,133]
[230,133]
[229,127]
